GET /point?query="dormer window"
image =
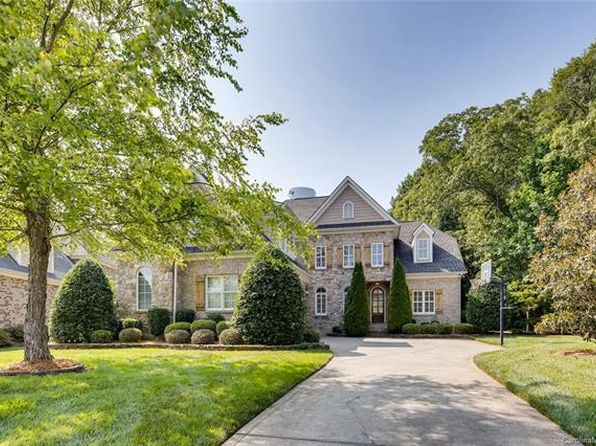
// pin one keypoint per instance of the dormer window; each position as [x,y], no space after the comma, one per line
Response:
[348,209]
[423,249]
[423,244]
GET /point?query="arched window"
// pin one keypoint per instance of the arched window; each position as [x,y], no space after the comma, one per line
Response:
[144,289]
[321,302]
[348,209]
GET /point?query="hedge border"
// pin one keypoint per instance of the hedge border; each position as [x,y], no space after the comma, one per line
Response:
[215,347]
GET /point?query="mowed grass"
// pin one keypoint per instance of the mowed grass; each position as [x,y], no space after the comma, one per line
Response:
[561,387]
[146,396]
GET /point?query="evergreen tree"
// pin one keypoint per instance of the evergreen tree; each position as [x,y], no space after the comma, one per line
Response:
[399,308]
[357,314]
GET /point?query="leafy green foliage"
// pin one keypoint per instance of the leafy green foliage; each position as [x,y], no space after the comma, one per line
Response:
[185,315]
[482,309]
[311,335]
[5,338]
[443,328]
[131,322]
[271,308]
[177,326]
[203,336]
[410,328]
[16,332]
[216,317]
[428,328]
[399,307]
[84,303]
[558,323]
[130,335]
[178,337]
[159,318]
[357,314]
[463,328]
[102,336]
[203,323]
[528,304]
[230,336]
[221,326]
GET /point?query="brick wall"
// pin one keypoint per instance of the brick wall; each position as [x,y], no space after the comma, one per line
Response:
[13,300]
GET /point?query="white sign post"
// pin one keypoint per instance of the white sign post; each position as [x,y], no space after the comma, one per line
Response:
[486,270]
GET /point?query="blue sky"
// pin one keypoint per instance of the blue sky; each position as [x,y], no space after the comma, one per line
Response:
[361,82]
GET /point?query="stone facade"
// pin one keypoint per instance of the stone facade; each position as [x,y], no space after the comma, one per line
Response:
[13,299]
[449,309]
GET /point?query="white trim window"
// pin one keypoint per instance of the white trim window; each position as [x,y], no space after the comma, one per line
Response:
[376,255]
[423,247]
[349,256]
[144,289]
[221,292]
[320,257]
[321,302]
[348,210]
[423,302]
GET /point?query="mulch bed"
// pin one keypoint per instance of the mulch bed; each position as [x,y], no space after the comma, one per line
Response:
[577,353]
[43,367]
[210,347]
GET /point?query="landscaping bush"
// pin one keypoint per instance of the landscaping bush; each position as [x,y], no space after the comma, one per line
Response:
[428,328]
[399,307]
[463,328]
[178,337]
[5,338]
[131,322]
[410,328]
[230,336]
[102,337]
[221,326]
[482,309]
[557,323]
[216,317]
[271,308]
[200,324]
[357,314]
[443,328]
[159,318]
[203,336]
[311,335]
[16,332]
[130,335]
[185,315]
[84,303]
[177,326]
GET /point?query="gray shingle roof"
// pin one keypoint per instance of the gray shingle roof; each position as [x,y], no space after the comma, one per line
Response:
[303,208]
[446,254]
[62,264]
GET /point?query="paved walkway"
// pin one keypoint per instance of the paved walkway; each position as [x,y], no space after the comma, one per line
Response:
[382,391]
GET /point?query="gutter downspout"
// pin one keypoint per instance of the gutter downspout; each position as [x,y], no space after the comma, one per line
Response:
[175,291]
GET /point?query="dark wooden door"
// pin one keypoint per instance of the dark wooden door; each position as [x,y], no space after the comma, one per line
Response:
[378,305]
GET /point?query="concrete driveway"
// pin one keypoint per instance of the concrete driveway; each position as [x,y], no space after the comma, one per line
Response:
[387,391]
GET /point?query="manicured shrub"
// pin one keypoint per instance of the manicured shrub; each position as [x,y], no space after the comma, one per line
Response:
[399,307]
[271,308]
[410,328]
[16,332]
[557,323]
[482,309]
[428,328]
[216,317]
[230,336]
[185,315]
[311,335]
[130,335]
[221,326]
[199,324]
[159,318]
[5,338]
[463,328]
[357,314]
[178,337]
[443,328]
[203,336]
[84,303]
[177,326]
[131,322]
[102,337]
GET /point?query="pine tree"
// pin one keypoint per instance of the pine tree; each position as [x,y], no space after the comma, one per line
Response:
[357,314]
[399,308]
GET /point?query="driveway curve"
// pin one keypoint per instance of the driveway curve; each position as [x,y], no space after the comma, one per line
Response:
[389,391]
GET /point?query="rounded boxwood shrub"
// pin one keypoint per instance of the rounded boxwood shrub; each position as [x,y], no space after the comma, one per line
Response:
[177,326]
[178,337]
[159,318]
[102,337]
[130,335]
[482,309]
[84,303]
[399,307]
[185,315]
[199,324]
[5,338]
[230,336]
[443,328]
[463,328]
[16,332]
[221,326]
[203,336]
[271,308]
[131,322]
[311,335]
[357,314]
[216,317]
[410,328]
[428,328]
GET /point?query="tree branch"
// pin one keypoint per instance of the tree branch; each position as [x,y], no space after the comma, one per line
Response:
[58,25]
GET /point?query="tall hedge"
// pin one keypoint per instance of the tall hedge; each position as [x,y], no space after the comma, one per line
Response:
[83,304]
[357,313]
[271,308]
[482,308]
[399,307]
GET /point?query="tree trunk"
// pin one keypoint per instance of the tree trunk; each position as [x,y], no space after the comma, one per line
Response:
[527,321]
[36,330]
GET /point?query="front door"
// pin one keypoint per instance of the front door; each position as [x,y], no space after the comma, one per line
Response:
[378,305]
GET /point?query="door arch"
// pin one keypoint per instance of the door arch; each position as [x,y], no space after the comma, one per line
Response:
[377,305]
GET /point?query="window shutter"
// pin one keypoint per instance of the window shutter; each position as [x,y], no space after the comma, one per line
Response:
[386,255]
[439,301]
[357,253]
[366,259]
[200,293]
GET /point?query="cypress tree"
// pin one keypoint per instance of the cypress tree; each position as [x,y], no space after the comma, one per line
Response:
[399,307]
[357,314]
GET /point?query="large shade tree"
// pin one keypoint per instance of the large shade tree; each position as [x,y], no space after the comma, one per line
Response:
[109,135]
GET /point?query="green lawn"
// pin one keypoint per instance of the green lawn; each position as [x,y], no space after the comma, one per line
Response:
[146,396]
[561,387]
